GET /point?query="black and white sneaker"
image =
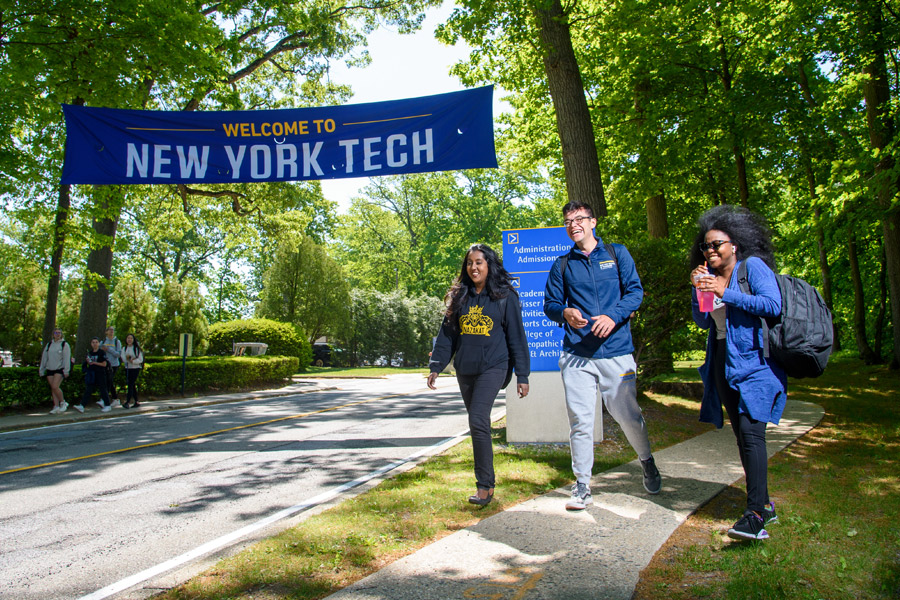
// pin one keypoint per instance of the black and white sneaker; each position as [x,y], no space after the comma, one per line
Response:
[749,527]
[652,478]
[581,497]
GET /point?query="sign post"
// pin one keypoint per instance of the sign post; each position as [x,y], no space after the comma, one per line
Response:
[540,417]
[185,348]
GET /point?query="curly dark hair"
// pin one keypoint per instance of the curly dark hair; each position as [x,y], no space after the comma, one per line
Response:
[747,230]
[498,283]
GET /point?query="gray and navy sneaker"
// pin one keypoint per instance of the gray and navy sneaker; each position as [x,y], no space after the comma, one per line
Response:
[749,527]
[652,478]
[581,497]
[768,514]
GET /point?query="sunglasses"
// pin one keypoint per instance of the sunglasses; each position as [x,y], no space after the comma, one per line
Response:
[715,245]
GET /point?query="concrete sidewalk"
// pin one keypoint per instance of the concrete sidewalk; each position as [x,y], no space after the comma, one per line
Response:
[538,550]
[42,417]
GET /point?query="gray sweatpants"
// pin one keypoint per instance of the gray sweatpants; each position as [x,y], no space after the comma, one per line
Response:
[617,381]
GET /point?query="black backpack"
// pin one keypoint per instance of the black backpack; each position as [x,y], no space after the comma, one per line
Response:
[800,339]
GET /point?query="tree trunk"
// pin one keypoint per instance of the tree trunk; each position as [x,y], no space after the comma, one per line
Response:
[881,135]
[657,219]
[824,267]
[740,161]
[95,293]
[882,303]
[59,244]
[584,181]
[859,305]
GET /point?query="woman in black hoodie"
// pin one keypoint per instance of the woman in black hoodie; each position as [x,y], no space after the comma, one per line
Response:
[483,328]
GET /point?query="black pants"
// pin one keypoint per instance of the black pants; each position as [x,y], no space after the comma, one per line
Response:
[100,386]
[111,382]
[479,392]
[132,376]
[750,434]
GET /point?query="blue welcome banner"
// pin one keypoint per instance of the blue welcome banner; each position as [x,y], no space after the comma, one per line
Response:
[432,133]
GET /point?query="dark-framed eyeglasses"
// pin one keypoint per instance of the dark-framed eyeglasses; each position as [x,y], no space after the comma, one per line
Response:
[575,220]
[715,245]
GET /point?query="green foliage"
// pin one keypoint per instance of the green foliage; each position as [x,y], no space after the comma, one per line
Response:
[22,386]
[282,338]
[133,309]
[389,327]
[180,311]
[410,232]
[305,287]
[22,294]
[660,327]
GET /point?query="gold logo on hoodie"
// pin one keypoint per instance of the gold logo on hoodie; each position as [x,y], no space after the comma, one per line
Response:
[476,323]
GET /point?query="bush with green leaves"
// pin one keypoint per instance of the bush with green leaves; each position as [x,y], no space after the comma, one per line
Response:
[22,386]
[282,338]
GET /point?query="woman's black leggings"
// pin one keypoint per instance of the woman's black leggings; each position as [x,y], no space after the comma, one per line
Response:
[750,434]
[132,377]
[479,392]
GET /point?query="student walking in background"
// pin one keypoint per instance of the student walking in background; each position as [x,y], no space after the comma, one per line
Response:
[94,367]
[56,360]
[482,332]
[134,362]
[113,348]
[737,373]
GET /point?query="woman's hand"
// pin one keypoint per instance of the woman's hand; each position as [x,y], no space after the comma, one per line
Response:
[715,285]
[432,377]
[698,274]
[522,388]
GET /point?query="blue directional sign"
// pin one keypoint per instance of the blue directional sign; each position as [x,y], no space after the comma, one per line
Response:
[528,254]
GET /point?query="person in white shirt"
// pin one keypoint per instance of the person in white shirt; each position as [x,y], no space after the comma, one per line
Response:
[134,361]
[56,361]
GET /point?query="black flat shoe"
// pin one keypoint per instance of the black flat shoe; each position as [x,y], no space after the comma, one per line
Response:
[481,501]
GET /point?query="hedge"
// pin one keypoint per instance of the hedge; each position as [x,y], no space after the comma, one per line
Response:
[22,386]
[282,338]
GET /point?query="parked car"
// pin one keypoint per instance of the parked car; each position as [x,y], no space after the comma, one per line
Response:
[321,355]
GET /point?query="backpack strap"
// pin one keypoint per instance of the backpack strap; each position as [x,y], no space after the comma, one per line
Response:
[744,283]
[564,261]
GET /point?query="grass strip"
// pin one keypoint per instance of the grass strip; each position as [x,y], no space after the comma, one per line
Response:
[341,545]
[837,493]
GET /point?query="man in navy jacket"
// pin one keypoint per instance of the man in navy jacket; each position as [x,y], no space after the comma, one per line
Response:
[594,299]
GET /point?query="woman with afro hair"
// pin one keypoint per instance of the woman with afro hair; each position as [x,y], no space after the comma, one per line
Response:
[736,373]
[482,329]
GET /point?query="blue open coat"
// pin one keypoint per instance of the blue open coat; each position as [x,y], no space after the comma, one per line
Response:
[760,381]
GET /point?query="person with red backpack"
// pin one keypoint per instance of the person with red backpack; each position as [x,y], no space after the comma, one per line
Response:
[738,373]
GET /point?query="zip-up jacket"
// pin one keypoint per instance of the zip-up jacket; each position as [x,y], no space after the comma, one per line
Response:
[482,338]
[595,287]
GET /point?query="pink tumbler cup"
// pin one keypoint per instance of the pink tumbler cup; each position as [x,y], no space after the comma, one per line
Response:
[704,299]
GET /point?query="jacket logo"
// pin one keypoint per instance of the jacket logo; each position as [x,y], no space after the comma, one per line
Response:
[476,323]
[607,264]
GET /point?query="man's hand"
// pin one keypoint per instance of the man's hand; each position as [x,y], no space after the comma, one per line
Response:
[432,377]
[574,318]
[602,326]
[522,388]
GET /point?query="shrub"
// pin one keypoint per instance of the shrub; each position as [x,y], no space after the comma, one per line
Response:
[22,386]
[282,338]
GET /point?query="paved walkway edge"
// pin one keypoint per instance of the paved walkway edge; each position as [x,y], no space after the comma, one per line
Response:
[537,550]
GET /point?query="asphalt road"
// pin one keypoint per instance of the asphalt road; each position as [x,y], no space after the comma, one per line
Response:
[68,530]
